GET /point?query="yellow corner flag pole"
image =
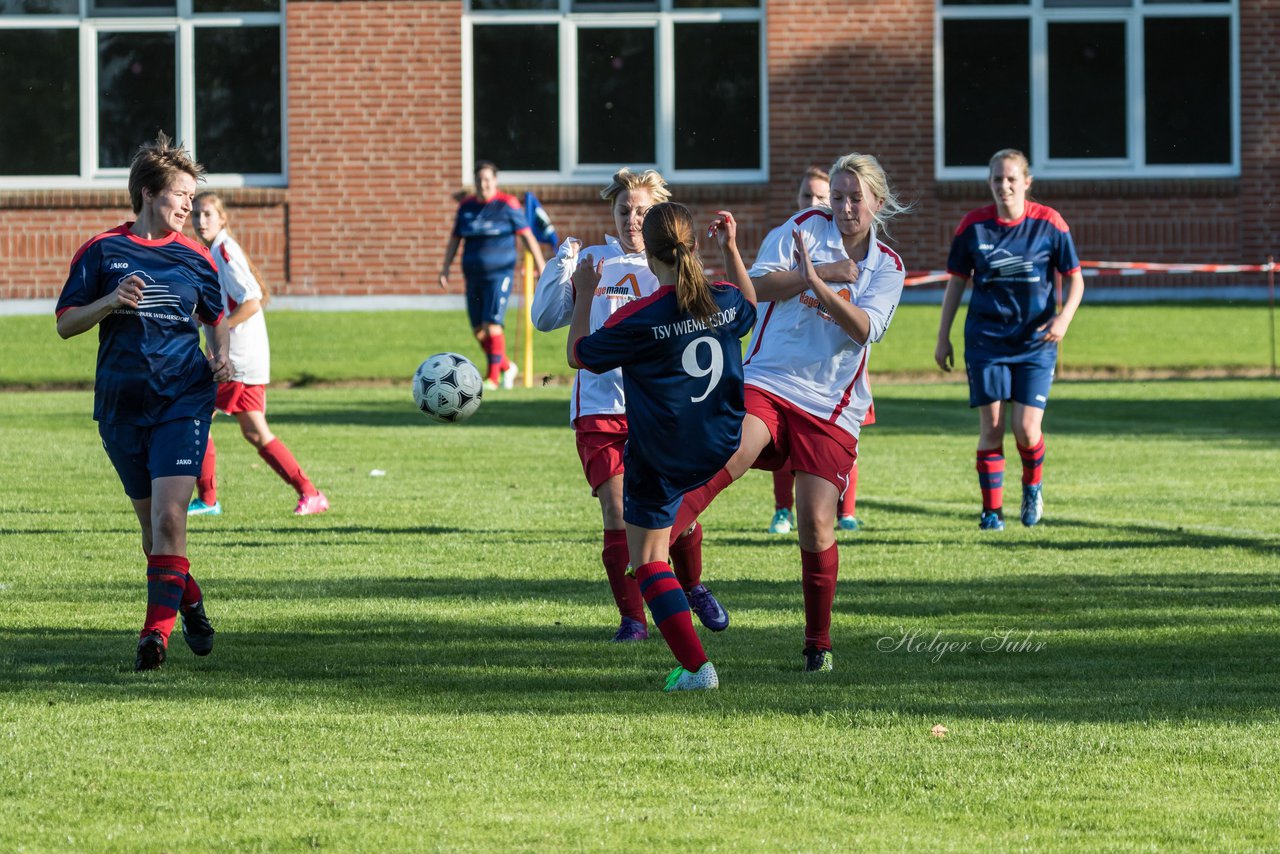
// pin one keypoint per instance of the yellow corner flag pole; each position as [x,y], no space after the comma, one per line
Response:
[527,320]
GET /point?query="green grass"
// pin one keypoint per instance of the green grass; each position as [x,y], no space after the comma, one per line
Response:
[309,347]
[424,667]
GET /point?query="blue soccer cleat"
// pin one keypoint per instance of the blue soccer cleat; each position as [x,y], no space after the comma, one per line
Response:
[199,508]
[850,523]
[1032,504]
[783,522]
[709,611]
[991,520]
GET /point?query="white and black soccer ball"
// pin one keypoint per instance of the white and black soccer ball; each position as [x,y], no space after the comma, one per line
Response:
[447,387]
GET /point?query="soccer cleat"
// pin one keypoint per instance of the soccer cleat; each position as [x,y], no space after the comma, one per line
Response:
[509,376]
[709,611]
[991,520]
[197,631]
[490,385]
[1032,504]
[783,521]
[309,505]
[703,680]
[850,523]
[818,661]
[631,630]
[199,508]
[151,652]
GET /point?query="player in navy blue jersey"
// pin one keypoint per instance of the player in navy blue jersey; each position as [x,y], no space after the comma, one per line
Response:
[486,225]
[1010,250]
[148,289]
[681,363]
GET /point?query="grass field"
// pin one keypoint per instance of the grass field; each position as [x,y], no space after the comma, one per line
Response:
[425,667]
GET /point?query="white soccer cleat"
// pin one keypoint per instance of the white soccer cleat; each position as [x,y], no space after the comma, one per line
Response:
[682,680]
[509,376]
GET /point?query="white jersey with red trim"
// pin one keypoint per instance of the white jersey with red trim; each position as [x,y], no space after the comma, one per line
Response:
[798,351]
[250,352]
[623,278]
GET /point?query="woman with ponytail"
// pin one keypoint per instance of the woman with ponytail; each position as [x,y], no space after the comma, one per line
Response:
[597,406]
[245,395]
[681,362]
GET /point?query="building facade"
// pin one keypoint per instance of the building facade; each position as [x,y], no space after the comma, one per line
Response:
[340,132]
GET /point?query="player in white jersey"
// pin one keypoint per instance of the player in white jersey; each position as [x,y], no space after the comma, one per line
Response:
[597,408]
[832,288]
[245,396]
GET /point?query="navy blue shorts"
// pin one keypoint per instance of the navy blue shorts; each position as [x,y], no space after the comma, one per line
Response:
[1025,378]
[142,454]
[649,499]
[487,298]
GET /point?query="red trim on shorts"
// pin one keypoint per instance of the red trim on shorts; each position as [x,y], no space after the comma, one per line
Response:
[760,335]
[848,392]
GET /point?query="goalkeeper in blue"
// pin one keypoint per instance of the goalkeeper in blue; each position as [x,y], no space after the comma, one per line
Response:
[681,363]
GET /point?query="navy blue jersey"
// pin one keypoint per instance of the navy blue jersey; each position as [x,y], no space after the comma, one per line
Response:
[1011,264]
[682,381]
[150,367]
[489,229]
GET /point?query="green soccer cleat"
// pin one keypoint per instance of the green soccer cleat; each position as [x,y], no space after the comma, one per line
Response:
[682,680]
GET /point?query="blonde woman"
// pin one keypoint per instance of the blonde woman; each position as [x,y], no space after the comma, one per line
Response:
[681,362]
[244,396]
[597,406]
[832,286]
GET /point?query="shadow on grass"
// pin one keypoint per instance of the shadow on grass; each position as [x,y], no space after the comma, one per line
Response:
[1127,647]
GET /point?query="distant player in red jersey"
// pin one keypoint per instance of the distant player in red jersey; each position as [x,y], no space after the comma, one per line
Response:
[681,364]
[832,287]
[814,192]
[1010,250]
[597,404]
[245,395]
[148,289]
[487,225]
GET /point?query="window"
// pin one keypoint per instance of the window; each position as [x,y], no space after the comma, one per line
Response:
[1089,88]
[88,81]
[570,90]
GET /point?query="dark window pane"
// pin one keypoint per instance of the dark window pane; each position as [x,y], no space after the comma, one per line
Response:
[39,7]
[238,98]
[485,5]
[615,96]
[516,118]
[136,93]
[1088,3]
[1188,68]
[717,96]
[985,89]
[985,3]
[236,6]
[40,112]
[132,7]
[614,5]
[715,4]
[1087,91]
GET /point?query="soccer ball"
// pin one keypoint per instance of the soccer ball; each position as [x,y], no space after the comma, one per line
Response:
[447,388]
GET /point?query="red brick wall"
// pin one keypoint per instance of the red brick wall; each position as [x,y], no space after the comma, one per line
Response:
[375,153]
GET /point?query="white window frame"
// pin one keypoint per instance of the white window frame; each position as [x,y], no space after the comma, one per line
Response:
[183,24]
[1040,16]
[663,21]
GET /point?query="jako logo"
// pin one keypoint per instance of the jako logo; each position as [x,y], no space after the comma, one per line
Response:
[183,463]
[119,265]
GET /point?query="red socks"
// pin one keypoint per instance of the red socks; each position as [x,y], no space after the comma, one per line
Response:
[626,590]
[278,457]
[818,571]
[686,558]
[166,582]
[207,482]
[495,350]
[696,501]
[991,478]
[1032,462]
[671,614]
[784,486]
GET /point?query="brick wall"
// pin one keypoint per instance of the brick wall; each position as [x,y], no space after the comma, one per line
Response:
[375,139]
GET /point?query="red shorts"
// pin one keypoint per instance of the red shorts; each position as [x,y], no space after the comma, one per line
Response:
[236,397]
[801,441]
[601,439]
[871,416]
